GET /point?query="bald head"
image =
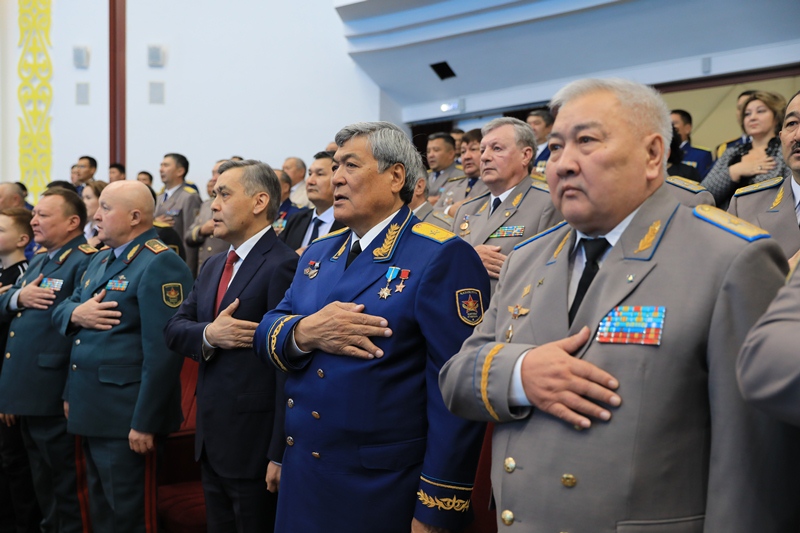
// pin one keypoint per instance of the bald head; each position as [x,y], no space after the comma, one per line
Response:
[125,212]
[11,195]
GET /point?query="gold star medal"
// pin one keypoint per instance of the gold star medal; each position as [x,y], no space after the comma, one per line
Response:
[464,227]
[391,274]
[404,273]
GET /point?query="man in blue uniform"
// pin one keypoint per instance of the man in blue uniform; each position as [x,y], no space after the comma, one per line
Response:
[694,156]
[373,313]
[37,357]
[123,387]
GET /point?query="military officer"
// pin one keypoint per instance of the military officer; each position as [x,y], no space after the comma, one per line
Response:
[614,396]
[178,204]
[123,388]
[461,189]
[516,207]
[694,156]
[370,445]
[422,209]
[37,357]
[441,156]
[200,234]
[541,122]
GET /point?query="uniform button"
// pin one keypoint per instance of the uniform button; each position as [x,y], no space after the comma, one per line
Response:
[11,334]
[507,517]
[208,249]
[315,414]
[568,480]
[19,314]
[8,355]
[320,373]
[290,441]
[78,342]
[509,464]
[74,367]
[290,403]
[315,455]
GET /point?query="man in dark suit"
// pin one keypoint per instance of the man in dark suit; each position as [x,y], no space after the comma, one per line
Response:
[370,445]
[302,228]
[123,390]
[239,398]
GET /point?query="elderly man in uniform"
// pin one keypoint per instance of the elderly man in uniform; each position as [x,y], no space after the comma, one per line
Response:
[373,313]
[772,204]
[516,207]
[200,234]
[123,389]
[37,357]
[768,365]
[239,398]
[610,373]
[178,204]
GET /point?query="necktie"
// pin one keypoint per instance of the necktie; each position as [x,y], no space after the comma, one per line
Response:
[436,174]
[495,204]
[354,251]
[225,280]
[317,222]
[166,195]
[470,185]
[594,250]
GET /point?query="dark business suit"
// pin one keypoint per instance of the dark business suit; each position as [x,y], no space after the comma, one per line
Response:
[239,398]
[297,226]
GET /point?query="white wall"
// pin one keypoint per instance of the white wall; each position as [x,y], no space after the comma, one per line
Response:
[263,80]
[9,108]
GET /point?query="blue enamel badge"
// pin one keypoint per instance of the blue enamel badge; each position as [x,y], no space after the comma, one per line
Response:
[470,306]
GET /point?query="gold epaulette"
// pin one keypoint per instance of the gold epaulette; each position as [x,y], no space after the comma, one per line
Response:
[159,224]
[331,234]
[536,176]
[156,246]
[686,184]
[432,232]
[760,186]
[41,250]
[459,166]
[540,185]
[731,224]
[87,248]
[190,190]
[457,178]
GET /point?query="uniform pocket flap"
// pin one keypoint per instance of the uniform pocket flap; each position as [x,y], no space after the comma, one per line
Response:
[254,402]
[393,456]
[688,524]
[53,360]
[120,374]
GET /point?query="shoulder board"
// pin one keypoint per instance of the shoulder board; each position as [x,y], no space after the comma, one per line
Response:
[190,190]
[41,250]
[189,182]
[542,234]
[87,248]
[687,184]
[331,234]
[156,246]
[457,178]
[731,224]
[481,197]
[536,176]
[159,224]
[540,185]
[162,190]
[430,171]
[105,247]
[441,216]
[432,232]
[459,166]
[761,185]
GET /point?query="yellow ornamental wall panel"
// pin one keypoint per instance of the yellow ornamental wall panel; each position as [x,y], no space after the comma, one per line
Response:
[35,94]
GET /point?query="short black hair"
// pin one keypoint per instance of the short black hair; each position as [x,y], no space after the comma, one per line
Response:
[74,204]
[686,117]
[60,184]
[472,136]
[456,130]
[23,187]
[118,166]
[92,160]
[181,161]
[325,154]
[544,114]
[445,136]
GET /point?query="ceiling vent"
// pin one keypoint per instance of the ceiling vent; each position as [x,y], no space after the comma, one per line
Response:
[443,70]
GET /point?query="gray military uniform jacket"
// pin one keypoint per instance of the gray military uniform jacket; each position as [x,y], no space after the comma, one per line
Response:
[528,210]
[453,171]
[770,205]
[426,213]
[183,206]
[683,453]
[207,245]
[456,190]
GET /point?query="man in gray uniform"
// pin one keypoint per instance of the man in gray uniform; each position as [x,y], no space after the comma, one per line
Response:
[178,204]
[620,411]
[769,365]
[200,234]
[516,207]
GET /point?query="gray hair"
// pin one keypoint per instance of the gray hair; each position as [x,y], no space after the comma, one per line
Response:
[647,110]
[390,145]
[258,177]
[523,134]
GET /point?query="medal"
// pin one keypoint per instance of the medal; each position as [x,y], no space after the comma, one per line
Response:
[403,277]
[517,311]
[464,227]
[312,269]
[391,274]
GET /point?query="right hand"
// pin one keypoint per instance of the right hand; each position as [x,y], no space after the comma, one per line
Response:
[229,333]
[559,384]
[166,219]
[32,296]
[94,313]
[8,420]
[207,228]
[752,164]
[491,258]
[343,329]
[66,410]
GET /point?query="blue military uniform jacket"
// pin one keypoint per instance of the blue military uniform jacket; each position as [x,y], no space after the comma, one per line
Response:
[699,158]
[239,398]
[540,163]
[36,358]
[370,442]
[126,377]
